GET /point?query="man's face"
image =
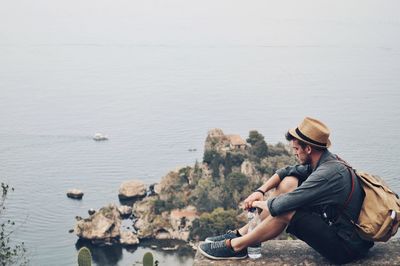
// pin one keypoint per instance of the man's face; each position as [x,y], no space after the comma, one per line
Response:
[302,155]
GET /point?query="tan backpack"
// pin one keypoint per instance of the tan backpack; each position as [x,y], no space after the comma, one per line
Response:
[379,216]
[380,213]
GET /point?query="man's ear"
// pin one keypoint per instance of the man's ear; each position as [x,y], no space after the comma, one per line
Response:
[308,149]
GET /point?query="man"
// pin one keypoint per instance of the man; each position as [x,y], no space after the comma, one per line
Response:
[315,200]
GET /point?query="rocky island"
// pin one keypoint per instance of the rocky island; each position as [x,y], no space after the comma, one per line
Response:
[192,202]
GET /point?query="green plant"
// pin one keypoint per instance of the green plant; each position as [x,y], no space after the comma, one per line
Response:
[215,223]
[148,259]
[254,137]
[84,257]
[9,254]
[206,195]
[259,148]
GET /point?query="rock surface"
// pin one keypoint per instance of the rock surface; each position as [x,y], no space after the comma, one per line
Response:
[91,211]
[217,140]
[74,194]
[249,169]
[296,252]
[128,238]
[101,227]
[173,225]
[148,223]
[125,210]
[132,189]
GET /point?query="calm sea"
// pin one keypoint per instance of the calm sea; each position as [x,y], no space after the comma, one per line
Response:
[155,76]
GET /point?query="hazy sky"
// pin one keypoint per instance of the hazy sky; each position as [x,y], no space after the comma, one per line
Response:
[206,22]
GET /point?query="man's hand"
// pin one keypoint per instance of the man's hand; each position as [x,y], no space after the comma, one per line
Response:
[255,196]
[260,204]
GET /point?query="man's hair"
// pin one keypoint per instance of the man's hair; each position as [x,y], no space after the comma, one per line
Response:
[302,144]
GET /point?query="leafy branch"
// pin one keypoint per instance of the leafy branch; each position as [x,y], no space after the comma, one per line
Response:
[10,253]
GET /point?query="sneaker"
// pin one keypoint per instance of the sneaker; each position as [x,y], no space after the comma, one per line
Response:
[220,251]
[228,235]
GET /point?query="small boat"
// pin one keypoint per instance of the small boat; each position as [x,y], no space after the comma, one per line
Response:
[99,137]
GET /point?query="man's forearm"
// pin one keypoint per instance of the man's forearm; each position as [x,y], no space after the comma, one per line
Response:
[271,183]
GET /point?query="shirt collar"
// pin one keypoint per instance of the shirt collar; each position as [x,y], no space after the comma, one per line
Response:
[326,156]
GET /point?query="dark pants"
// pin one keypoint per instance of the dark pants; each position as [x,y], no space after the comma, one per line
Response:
[310,228]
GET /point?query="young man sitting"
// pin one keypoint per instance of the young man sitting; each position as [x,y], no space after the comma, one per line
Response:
[309,199]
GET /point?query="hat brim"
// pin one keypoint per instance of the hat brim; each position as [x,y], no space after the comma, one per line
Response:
[295,135]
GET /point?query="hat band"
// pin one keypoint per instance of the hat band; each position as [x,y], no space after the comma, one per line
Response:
[308,139]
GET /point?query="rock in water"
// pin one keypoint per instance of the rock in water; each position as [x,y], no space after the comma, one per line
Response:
[125,211]
[103,227]
[128,238]
[132,189]
[74,194]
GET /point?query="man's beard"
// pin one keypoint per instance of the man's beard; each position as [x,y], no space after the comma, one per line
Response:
[306,161]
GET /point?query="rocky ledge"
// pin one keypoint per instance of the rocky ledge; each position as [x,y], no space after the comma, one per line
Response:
[296,252]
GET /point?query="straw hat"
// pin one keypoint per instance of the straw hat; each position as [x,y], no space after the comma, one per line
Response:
[312,132]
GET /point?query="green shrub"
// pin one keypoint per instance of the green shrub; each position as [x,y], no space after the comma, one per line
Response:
[254,137]
[175,201]
[159,206]
[232,159]
[269,165]
[259,148]
[206,196]
[237,158]
[184,175]
[278,150]
[213,159]
[209,156]
[214,223]
[9,254]
[232,190]
[236,182]
[196,175]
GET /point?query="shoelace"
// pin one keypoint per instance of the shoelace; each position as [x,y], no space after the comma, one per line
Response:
[217,245]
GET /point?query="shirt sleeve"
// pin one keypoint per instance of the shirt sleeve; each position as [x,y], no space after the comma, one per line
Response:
[299,171]
[321,187]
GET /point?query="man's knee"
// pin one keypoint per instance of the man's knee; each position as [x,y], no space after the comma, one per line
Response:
[287,217]
[288,184]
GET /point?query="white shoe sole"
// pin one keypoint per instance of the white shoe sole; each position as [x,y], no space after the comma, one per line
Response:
[220,258]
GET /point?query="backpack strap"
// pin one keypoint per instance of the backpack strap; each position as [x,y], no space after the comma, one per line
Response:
[351,171]
[352,189]
[347,202]
[341,210]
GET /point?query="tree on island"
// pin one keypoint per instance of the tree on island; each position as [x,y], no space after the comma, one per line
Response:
[259,148]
